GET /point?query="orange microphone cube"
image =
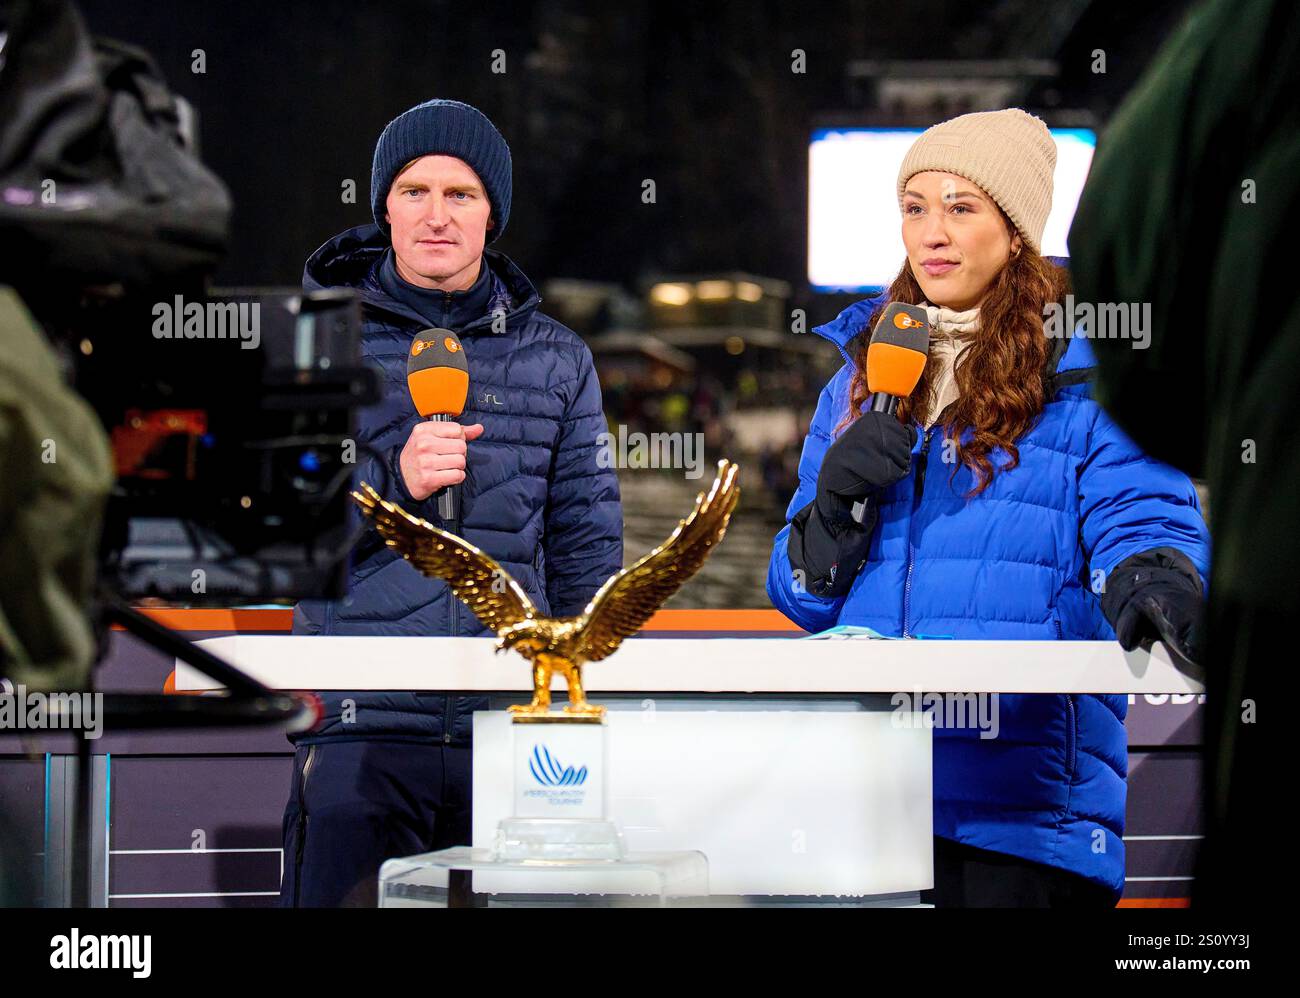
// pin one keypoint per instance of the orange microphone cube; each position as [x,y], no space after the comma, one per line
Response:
[899,348]
[437,373]
[893,369]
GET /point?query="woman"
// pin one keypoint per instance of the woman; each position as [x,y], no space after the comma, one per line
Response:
[1001,503]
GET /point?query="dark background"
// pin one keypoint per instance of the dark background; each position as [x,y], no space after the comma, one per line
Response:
[595,99]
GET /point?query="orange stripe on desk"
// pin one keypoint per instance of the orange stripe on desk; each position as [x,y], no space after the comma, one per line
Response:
[282,620]
[1154,903]
[721,620]
[219,620]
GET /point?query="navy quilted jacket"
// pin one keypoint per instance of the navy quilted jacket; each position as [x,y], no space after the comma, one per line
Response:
[1012,563]
[533,497]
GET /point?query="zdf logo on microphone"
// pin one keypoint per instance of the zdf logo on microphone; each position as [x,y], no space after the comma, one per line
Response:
[419,346]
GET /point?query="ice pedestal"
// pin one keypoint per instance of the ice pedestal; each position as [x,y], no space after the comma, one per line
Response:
[557,842]
[644,878]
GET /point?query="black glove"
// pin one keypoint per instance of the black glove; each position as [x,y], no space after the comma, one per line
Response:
[826,546]
[1157,596]
[872,454]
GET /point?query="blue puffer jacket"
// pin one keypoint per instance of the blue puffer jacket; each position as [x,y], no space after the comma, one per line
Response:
[1012,563]
[534,497]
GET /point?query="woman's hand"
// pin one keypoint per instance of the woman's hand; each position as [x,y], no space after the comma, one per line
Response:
[1156,596]
[872,454]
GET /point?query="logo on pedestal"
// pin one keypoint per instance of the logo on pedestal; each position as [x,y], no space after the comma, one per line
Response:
[550,772]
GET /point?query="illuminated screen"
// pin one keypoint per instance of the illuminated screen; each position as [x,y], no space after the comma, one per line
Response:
[854,241]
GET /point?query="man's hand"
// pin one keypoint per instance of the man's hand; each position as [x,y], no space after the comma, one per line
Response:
[434,456]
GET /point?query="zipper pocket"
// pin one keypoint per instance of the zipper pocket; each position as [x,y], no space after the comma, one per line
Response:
[1071,734]
[301,843]
[306,772]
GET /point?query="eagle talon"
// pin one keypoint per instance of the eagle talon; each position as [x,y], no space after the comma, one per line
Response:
[585,709]
[529,708]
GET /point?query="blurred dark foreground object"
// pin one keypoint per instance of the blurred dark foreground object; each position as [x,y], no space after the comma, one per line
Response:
[233,455]
[97,191]
[105,213]
[55,474]
[1192,207]
[96,183]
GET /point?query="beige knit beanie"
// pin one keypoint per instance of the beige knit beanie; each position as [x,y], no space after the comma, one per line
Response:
[1009,153]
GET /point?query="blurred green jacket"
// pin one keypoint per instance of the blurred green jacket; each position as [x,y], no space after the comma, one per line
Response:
[1193,205]
[56,469]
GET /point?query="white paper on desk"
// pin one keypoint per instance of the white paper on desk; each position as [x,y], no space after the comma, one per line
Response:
[845,632]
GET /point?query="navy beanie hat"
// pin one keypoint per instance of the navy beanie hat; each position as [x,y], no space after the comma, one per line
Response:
[448,128]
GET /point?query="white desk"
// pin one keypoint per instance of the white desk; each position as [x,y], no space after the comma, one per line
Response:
[704,665]
[782,759]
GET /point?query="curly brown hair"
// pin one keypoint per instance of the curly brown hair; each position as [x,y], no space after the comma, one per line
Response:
[1000,376]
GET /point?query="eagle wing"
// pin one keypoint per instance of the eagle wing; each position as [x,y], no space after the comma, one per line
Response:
[630,598]
[475,578]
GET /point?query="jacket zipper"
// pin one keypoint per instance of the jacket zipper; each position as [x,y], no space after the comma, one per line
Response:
[921,460]
[453,608]
[453,621]
[453,630]
[302,824]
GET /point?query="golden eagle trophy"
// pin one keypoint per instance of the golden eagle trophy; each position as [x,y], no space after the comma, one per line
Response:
[559,644]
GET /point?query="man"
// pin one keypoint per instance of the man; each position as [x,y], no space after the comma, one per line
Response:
[388,774]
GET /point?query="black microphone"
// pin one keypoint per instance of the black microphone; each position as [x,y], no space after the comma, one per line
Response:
[438,378]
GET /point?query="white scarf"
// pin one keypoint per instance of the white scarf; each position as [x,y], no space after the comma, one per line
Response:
[950,336]
[945,320]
